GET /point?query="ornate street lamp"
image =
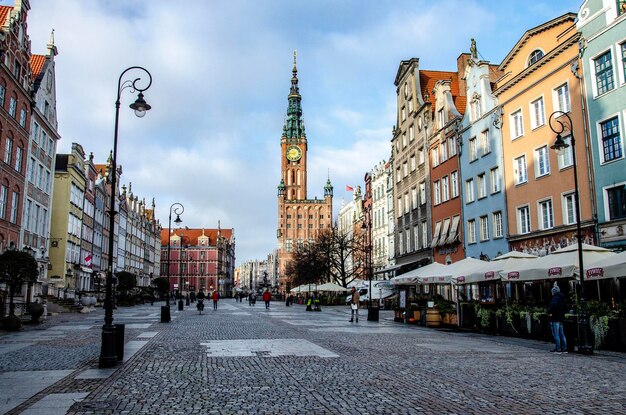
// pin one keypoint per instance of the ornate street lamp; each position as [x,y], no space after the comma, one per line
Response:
[178,209]
[108,357]
[558,126]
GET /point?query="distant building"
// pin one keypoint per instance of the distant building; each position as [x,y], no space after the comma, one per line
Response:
[380,176]
[300,219]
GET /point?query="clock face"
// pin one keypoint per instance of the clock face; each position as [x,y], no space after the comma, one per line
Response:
[294,153]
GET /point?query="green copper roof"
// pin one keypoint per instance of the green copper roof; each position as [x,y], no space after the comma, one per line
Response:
[294,125]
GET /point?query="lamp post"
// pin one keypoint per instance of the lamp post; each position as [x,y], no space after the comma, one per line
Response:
[558,126]
[108,357]
[178,209]
[372,312]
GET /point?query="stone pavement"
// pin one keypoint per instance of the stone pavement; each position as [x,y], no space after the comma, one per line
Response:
[247,360]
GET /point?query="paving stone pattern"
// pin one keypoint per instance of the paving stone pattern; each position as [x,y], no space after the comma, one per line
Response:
[248,360]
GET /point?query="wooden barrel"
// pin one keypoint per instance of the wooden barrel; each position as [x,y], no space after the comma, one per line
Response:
[433,318]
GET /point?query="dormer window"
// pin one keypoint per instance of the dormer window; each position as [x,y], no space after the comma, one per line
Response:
[534,57]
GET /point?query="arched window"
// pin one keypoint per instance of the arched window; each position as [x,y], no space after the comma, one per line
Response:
[535,55]
[13,105]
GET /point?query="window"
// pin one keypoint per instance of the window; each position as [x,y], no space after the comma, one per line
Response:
[3,201]
[537,113]
[476,108]
[411,133]
[401,243]
[517,125]
[398,175]
[405,168]
[435,156]
[485,142]
[410,106]
[414,197]
[403,113]
[31,170]
[535,55]
[603,66]
[482,186]
[403,140]
[546,214]
[471,231]
[399,207]
[422,193]
[473,150]
[623,48]
[424,235]
[497,224]
[561,98]
[420,155]
[520,170]
[413,164]
[416,237]
[3,91]
[454,184]
[445,189]
[523,220]
[17,69]
[542,161]
[18,159]
[8,150]
[14,204]
[495,180]
[436,193]
[469,191]
[484,228]
[12,106]
[441,118]
[407,206]
[408,240]
[452,146]
[565,155]
[443,150]
[616,198]
[611,143]
[28,209]
[23,118]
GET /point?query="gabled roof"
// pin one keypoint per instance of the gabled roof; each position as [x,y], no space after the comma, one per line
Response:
[36,64]
[404,66]
[532,32]
[191,235]
[428,79]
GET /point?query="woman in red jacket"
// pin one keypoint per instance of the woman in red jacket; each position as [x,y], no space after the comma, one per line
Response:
[216,297]
[267,296]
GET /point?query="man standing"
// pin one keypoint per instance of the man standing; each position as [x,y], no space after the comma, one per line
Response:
[216,296]
[354,305]
[556,312]
[267,297]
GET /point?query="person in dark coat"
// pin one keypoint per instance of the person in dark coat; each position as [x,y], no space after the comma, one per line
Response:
[556,312]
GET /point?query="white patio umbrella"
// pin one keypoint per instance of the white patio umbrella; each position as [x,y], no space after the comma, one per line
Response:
[301,288]
[412,277]
[490,271]
[562,263]
[331,286]
[455,270]
[613,266]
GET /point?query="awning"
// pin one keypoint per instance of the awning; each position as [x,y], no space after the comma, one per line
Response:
[613,266]
[436,234]
[413,277]
[388,268]
[443,239]
[454,230]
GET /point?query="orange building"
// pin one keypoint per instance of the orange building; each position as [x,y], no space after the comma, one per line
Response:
[541,76]
[299,219]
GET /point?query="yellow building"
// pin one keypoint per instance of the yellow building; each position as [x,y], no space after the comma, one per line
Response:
[541,76]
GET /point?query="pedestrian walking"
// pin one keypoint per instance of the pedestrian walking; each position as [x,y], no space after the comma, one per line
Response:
[556,312]
[216,297]
[354,305]
[252,298]
[267,297]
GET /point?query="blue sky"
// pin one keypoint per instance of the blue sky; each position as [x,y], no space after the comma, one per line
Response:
[221,75]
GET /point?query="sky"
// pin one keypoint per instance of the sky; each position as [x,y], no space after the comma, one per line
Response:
[221,72]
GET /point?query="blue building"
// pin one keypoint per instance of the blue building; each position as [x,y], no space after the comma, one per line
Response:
[481,163]
[602,24]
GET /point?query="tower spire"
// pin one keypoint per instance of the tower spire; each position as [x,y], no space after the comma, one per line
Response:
[294,125]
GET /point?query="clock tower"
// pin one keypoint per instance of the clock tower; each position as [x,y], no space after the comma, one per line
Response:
[300,220]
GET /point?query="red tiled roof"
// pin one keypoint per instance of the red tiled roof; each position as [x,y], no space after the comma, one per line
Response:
[191,235]
[36,64]
[428,79]
[4,12]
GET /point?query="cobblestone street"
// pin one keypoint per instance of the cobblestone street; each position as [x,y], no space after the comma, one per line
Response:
[248,360]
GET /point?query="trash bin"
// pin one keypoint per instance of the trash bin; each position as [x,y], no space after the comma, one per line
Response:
[165,314]
[180,305]
[119,341]
[372,314]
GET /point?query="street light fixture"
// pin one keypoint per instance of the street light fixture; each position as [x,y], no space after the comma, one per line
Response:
[559,126]
[108,356]
[178,209]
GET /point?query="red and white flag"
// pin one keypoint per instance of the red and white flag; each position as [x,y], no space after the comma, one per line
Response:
[88,260]
[349,188]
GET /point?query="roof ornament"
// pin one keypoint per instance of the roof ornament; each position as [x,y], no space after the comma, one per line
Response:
[473,50]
